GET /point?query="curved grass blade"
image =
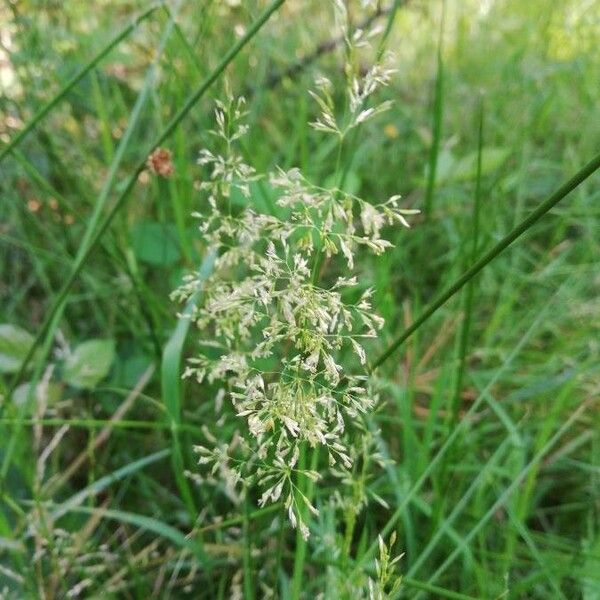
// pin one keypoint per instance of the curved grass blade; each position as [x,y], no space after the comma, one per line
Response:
[589,169]
[55,309]
[75,80]
[102,483]
[171,388]
[372,550]
[149,524]
[50,324]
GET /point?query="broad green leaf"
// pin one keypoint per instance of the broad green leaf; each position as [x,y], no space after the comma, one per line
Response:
[14,346]
[155,243]
[89,363]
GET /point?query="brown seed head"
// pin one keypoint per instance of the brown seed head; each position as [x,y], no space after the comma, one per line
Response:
[160,162]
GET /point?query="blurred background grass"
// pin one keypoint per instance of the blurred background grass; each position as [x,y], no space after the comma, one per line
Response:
[532,353]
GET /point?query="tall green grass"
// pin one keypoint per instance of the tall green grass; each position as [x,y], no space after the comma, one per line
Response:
[488,364]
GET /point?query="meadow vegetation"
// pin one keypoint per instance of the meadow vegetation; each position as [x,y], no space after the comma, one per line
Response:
[228,368]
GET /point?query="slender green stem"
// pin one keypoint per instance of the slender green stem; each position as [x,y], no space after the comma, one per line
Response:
[279,552]
[167,131]
[300,553]
[75,80]
[438,105]
[449,441]
[563,191]
[171,388]
[466,325]
[388,27]
[300,550]
[249,575]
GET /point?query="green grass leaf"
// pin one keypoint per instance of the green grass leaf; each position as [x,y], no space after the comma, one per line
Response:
[171,385]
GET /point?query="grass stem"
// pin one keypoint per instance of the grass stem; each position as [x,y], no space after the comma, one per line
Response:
[69,85]
[564,190]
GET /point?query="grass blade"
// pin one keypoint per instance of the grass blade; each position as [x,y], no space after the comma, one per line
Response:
[167,131]
[102,483]
[149,524]
[468,311]
[438,115]
[69,85]
[564,190]
[171,388]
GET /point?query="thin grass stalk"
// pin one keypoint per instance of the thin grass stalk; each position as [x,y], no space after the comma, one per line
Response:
[438,115]
[468,310]
[69,85]
[300,549]
[448,443]
[515,483]
[167,131]
[308,490]
[564,190]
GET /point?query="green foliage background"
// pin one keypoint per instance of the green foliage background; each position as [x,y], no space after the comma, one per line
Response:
[512,508]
